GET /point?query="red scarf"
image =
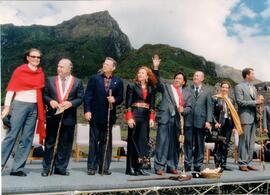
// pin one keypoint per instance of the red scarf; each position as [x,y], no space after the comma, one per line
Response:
[180,95]
[23,78]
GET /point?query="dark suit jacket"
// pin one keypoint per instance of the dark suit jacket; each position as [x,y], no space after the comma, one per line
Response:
[134,94]
[95,99]
[266,118]
[75,97]
[218,112]
[202,109]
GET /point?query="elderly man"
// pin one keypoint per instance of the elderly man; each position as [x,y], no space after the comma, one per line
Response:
[63,93]
[96,103]
[247,99]
[202,117]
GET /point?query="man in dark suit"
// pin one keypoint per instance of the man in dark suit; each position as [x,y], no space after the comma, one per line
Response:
[201,119]
[96,103]
[247,99]
[176,101]
[62,92]
[266,117]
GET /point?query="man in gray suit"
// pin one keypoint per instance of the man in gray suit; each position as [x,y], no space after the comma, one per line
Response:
[176,101]
[247,99]
[266,117]
[202,118]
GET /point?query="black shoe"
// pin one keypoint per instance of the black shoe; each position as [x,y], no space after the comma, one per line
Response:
[142,172]
[66,173]
[105,172]
[226,168]
[187,169]
[131,172]
[19,173]
[44,174]
[91,172]
[197,169]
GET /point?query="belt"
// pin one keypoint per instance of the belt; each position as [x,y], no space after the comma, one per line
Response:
[141,105]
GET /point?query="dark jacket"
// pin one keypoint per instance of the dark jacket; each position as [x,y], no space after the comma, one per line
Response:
[219,111]
[75,97]
[134,94]
[95,99]
[266,118]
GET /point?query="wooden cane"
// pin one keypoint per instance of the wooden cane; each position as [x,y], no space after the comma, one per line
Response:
[260,107]
[182,140]
[56,143]
[108,134]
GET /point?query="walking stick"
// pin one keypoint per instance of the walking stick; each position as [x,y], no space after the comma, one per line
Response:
[182,140]
[260,107]
[108,133]
[56,143]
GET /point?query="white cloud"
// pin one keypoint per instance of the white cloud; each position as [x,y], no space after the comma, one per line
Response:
[266,12]
[197,26]
[243,11]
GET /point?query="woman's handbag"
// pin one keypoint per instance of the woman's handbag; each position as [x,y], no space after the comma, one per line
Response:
[6,122]
[212,135]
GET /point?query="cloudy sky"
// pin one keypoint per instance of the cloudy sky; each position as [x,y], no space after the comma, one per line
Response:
[228,32]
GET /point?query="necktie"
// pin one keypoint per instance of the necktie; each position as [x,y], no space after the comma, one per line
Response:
[196,91]
[251,91]
[63,84]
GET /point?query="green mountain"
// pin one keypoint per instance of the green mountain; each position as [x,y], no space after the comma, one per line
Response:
[87,40]
[172,60]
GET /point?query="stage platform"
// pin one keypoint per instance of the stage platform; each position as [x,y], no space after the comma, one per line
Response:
[118,183]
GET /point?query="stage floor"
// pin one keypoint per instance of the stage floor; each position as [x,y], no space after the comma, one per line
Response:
[79,181]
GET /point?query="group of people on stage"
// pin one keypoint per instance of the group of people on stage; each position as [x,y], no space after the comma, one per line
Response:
[182,110]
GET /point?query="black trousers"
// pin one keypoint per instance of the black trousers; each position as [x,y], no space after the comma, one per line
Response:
[221,149]
[98,137]
[138,139]
[64,148]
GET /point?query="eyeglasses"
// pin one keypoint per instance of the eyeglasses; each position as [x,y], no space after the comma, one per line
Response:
[38,57]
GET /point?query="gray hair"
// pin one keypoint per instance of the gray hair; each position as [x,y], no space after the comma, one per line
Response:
[111,59]
[66,61]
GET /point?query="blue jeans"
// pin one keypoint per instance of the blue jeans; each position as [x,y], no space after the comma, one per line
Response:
[23,119]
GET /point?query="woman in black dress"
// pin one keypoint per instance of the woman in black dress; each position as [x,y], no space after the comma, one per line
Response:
[140,100]
[226,119]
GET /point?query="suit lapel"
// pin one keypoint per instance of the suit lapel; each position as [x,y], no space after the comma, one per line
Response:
[101,83]
[201,90]
[193,91]
[170,93]
[246,88]
[139,90]
[113,83]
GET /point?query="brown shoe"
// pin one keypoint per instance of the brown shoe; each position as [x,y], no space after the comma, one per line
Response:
[243,168]
[173,172]
[252,168]
[160,172]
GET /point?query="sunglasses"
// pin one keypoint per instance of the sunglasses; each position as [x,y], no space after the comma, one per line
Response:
[38,57]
